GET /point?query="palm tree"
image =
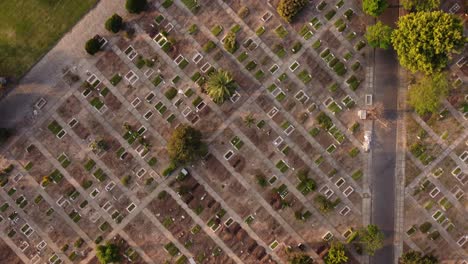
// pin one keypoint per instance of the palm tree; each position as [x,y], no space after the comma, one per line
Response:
[220,86]
[249,120]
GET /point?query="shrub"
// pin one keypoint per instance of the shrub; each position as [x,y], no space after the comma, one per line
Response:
[287,9]
[185,145]
[92,46]
[114,23]
[230,43]
[425,227]
[135,6]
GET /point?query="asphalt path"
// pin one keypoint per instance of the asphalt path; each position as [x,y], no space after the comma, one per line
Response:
[384,143]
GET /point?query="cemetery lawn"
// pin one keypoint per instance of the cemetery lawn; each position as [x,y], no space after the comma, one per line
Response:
[29,28]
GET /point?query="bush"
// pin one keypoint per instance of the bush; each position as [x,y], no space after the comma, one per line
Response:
[108,253]
[230,43]
[185,145]
[135,6]
[92,46]
[425,227]
[287,9]
[114,23]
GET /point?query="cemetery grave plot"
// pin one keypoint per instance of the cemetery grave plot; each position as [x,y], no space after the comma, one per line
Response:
[448,172]
[420,144]
[411,171]
[149,238]
[445,125]
[179,223]
[8,254]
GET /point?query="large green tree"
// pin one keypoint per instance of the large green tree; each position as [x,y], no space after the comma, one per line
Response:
[185,145]
[336,254]
[220,86]
[287,9]
[108,253]
[114,23]
[379,35]
[420,5]
[371,238]
[136,6]
[415,257]
[374,7]
[425,96]
[424,41]
[92,46]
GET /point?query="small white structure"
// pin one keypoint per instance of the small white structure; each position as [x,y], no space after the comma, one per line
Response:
[362,114]
[367,140]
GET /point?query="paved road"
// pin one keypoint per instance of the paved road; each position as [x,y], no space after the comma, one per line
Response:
[384,152]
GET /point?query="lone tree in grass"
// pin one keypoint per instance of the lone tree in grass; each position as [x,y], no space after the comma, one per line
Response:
[136,6]
[371,238]
[425,41]
[379,35]
[114,23]
[420,5]
[108,253]
[415,257]
[92,46]
[230,43]
[185,145]
[426,95]
[220,86]
[336,254]
[374,7]
[287,9]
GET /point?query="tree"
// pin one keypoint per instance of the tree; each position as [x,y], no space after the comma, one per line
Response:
[424,41]
[301,259]
[249,120]
[420,5]
[336,254]
[287,9]
[371,238]
[374,7]
[92,46]
[230,43]
[107,253]
[135,6]
[415,257]
[379,35]
[114,23]
[425,96]
[220,86]
[185,145]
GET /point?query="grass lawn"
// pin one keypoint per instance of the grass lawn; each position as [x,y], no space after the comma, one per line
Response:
[29,28]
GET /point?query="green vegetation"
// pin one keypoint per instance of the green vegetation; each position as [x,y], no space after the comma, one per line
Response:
[230,43]
[29,28]
[420,5]
[185,145]
[336,254]
[426,95]
[379,35]
[374,7]
[371,238]
[114,23]
[287,9]
[424,41]
[107,253]
[415,257]
[92,46]
[301,259]
[220,86]
[136,6]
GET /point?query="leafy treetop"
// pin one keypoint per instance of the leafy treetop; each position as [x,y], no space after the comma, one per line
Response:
[220,86]
[372,239]
[185,145]
[136,6]
[420,5]
[424,41]
[336,254]
[374,7]
[114,23]
[108,253]
[379,35]
[426,94]
[287,9]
